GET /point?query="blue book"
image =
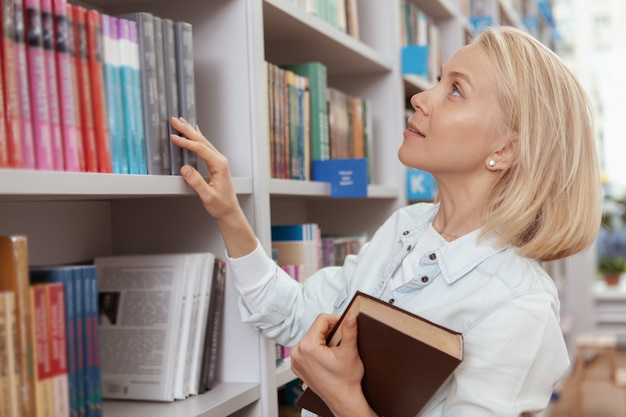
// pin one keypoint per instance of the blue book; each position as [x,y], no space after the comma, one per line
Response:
[63,275]
[304,231]
[140,136]
[79,340]
[90,345]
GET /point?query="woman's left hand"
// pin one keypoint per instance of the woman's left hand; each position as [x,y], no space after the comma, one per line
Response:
[334,373]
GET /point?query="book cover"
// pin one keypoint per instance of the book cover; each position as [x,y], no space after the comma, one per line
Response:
[10,81]
[316,72]
[4,149]
[43,397]
[141,302]
[149,88]
[79,340]
[406,357]
[56,140]
[62,48]
[214,327]
[83,79]
[171,91]
[183,43]
[114,96]
[59,379]
[9,375]
[74,61]
[140,136]
[14,277]
[64,275]
[38,86]
[93,28]
[163,123]
[26,128]
[91,355]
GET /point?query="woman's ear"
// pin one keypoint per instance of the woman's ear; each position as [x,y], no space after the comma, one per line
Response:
[503,158]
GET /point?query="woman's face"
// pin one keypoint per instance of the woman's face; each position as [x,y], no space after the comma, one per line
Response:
[457,123]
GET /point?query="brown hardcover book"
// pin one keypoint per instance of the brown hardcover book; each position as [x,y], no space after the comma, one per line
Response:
[14,277]
[406,358]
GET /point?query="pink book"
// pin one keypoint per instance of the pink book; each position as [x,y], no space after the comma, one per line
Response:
[47,24]
[26,130]
[38,84]
[66,87]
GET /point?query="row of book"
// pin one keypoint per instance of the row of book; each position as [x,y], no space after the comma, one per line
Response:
[342,14]
[81,90]
[420,39]
[141,327]
[310,121]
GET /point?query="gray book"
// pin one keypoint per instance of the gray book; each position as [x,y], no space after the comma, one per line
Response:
[186,80]
[164,135]
[171,91]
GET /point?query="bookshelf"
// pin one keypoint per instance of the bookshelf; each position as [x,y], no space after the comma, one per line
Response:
[74,217]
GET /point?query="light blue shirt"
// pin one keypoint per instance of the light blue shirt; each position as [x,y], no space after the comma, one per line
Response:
[506,307]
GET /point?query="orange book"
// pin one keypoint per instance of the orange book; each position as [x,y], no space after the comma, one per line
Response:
[58,349]
[83,77]
[14,276]
[39,332]
[96,71]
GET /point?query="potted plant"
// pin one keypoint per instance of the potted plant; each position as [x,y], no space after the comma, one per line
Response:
[611,268]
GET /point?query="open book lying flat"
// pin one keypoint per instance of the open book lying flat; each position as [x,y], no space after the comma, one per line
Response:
[406,358]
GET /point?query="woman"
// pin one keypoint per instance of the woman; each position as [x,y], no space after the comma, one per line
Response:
[507,133]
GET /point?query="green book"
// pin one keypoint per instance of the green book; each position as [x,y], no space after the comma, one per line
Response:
[316,73]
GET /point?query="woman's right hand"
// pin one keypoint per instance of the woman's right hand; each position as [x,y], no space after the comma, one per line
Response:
[217,192]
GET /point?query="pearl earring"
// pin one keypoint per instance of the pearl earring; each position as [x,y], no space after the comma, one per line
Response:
[491,163]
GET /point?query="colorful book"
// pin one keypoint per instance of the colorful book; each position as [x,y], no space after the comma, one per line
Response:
[14,277]
[98,90]
[91,342]
[38,86]
[183,35]
[10,81]
[56,139]
[80,340]
[86,106]
[62,48]
[9,374]
[57,343]
[406,357]
[42,373]
[64,276]
[114,98]
[26,127]
[148,76]
[4,149]
[137,98]
[171,91]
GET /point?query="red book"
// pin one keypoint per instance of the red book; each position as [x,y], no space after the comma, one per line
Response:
[12,113]
[62,49]
[83,78]
[96,67]
[38,85]
[26,128]
[73,58]
[47,26]
[4,150]
[58,349]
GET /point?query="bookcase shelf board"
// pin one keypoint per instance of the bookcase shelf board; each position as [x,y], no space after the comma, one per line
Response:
[224,399]
[314,189]
[437,9]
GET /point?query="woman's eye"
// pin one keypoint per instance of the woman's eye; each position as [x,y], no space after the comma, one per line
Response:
[455,90]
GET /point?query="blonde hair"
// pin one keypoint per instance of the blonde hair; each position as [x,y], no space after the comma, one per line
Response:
[548,204]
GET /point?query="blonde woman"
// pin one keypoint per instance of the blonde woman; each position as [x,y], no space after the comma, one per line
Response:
[507,133]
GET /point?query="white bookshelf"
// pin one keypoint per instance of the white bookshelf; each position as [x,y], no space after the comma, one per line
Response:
[74,217]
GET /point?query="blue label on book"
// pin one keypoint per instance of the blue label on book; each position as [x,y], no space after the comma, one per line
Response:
[415,60]
[347,177]
[420,185]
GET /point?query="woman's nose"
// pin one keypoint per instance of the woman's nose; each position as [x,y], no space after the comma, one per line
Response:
[419,102]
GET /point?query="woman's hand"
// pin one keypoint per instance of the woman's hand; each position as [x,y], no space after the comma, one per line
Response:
[333,373]
[217,192]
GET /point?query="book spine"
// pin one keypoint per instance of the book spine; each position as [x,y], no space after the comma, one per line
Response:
[65,87]
[9,377]
[38,86]
[79,295]
[26,129]
[140,138]
[163,122]
[183,35]
[10,79]
[114,97]
[216,310]
[4,149]
[98,93]
[74,75]
[58,349]
[56,140]
[84,88]
[40,336]
[171,91]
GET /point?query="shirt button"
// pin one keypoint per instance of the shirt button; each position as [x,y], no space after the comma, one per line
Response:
[408,248]
[432,256]
[406,232]
[392,300]
[424,279]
